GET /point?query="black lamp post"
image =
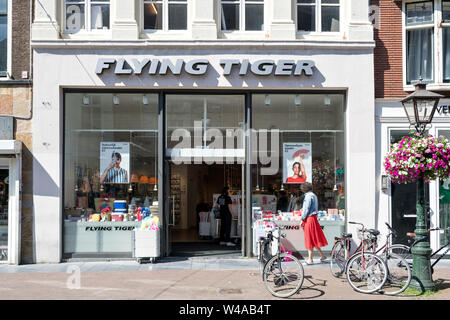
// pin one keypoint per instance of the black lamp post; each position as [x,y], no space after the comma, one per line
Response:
[420,107]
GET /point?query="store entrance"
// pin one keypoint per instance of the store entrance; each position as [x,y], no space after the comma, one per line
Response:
[204,153]
[194,190]
[4,199]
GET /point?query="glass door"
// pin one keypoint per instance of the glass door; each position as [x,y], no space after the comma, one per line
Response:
[204,153]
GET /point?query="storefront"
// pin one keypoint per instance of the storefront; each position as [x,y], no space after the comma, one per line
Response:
[10,193]
[397,202]
[179,127]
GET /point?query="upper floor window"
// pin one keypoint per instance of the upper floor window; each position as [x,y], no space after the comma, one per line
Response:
[3,37]
[420,27]
[242,15]
[165,15]
[87,15]
[318,15]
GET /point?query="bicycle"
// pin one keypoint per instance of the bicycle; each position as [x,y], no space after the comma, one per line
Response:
[282,273]
[424,238]
[366,272]
[399,269]
[340,253]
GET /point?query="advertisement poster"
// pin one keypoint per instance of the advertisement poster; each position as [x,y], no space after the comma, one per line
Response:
[114,162]
[297,162]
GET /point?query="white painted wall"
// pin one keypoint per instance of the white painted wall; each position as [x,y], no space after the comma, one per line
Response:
[203,22]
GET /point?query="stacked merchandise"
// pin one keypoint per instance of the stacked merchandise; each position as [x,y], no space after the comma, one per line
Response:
[147,236]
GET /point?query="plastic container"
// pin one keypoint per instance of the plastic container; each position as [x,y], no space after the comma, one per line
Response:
[146,245]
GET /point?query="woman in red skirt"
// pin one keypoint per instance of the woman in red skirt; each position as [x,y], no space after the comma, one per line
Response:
[314,237]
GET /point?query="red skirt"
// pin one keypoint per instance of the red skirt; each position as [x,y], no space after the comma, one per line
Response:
[314,237]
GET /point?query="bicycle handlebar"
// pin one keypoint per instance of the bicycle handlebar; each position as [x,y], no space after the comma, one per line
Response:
[437,229]
[394,233]
[352,222]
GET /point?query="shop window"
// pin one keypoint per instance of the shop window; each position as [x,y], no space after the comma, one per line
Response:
[419,41]
[110,169]
[444,203]
[165,15]
[318,15]
[309,147]
[87,15]
[245,15]
[3,37]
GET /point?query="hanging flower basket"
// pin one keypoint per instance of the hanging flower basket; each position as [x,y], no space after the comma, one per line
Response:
[418,156]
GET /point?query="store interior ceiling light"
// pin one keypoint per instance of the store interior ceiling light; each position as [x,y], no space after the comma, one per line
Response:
[85,100]
[145,99]
[298,100]
[267,100]
[116,100]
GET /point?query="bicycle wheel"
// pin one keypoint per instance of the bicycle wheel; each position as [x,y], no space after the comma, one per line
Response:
[337,260]
[399,274]
[283,275]
[366,273]
[263,257]
[402,251]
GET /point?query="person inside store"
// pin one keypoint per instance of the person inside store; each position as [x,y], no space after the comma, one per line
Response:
[296,203]
[312,231]
[114,173]
[283,202]
[299,175]
[296,199]
[224,204]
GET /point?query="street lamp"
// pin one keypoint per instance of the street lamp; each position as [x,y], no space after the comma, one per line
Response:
[420,107]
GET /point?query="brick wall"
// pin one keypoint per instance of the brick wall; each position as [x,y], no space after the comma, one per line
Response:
[20,38]
[388,50]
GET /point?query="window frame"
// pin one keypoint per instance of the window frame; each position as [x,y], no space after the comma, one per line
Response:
[165,18]
[87,18]
[6,74]
[318,16]
[242,22]
[438,57]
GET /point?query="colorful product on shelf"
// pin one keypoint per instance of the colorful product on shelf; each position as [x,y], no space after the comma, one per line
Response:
[120,206]
[150,223]
[117,217]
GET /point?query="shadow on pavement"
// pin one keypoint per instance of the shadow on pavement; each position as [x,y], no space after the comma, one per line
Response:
[308,290]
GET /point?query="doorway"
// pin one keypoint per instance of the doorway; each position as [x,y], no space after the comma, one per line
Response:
[194,190]
[204,153]
[4,199]
[403,200]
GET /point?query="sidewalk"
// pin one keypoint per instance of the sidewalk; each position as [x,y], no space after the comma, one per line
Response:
[179,278]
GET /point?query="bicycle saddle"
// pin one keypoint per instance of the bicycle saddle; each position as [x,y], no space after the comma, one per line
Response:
[346,235]
[374,232]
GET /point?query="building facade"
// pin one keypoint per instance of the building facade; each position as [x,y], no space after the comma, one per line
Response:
[160,104]
[411,43]
[16,226]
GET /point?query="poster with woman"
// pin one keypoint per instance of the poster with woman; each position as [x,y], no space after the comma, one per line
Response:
[297,162]
[114,162]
